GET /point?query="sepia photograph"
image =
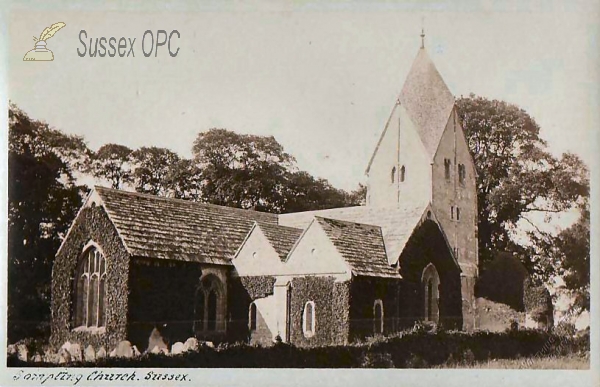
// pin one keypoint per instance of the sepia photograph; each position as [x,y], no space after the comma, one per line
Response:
[299,185]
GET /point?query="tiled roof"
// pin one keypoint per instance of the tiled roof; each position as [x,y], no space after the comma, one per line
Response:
[397,223]
[282,238]
[156,227]
[427,100]
[361,246]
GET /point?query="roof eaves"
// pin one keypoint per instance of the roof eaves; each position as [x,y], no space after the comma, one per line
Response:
[84,205]
[381,137]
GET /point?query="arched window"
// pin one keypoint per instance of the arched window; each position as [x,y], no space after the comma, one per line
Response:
[90,304]
[378,317]
[308,319]
[252,317]
[208,310]
[402,174]
[393,175]
[212,310]
[199,310]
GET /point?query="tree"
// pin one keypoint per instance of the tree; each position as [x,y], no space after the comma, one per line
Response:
[516,177]
[185,180]
[239,170]
[305,193]
[358,197]
[573,252]
[152,173]
[43,199]
[113,163]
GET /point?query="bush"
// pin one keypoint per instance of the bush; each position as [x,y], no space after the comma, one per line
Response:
[415,348]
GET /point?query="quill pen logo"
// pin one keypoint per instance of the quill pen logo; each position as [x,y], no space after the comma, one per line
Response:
[40,52]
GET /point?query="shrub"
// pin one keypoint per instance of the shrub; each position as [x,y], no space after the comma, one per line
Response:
[415,348]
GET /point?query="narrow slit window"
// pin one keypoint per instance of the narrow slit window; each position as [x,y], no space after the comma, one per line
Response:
[252,316]
[447,164]
[393,175]
[402,174]
[457,213]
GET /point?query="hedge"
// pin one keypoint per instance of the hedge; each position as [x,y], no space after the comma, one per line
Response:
[412,349]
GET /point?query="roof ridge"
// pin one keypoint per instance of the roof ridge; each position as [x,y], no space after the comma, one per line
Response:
[261,224]
[348,222]
[323,209]
[178,200]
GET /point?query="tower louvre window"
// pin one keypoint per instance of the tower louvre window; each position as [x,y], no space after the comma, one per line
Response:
[447,164]
[393,175]
[402,174]
[457,213]
[452,212]
[461,173]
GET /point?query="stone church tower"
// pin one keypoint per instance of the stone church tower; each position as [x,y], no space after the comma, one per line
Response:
[423,154]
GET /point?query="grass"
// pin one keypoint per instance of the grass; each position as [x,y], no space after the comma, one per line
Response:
[568,362]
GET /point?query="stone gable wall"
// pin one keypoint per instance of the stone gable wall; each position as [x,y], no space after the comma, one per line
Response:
[461,234]
[92,224]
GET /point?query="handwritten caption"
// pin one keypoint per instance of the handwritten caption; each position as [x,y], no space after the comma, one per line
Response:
[73,378]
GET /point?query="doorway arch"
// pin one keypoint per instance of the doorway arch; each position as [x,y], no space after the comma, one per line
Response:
[430,281]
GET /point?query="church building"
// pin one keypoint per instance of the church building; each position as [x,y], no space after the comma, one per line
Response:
[132,262]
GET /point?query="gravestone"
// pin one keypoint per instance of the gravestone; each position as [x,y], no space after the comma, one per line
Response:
[124,349]
[191,344]
[76,352]
[89,354]
[22,352]
[177,348]
[156,340]
[101,353]
[64,355]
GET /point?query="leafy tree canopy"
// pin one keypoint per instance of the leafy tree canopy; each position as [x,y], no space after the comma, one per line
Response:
[113,163]
[43,199]
[517,177]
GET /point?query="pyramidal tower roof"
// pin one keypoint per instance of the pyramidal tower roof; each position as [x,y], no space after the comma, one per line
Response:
[427,100]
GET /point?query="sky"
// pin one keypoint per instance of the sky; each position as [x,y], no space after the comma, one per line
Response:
[320,77]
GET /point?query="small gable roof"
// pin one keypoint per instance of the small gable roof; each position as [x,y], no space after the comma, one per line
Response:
[397,223]
[282,238]
[360,245]
[427,100]
[165,228]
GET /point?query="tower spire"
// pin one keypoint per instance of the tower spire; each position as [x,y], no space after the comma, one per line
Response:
[422,37]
